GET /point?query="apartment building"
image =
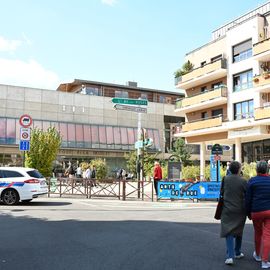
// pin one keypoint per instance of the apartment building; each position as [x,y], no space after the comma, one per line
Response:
[89,124]
[227,90]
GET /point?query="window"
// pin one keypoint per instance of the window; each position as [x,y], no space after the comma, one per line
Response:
[204,115]
[2,130]
[11,174]
[242,81]
[203,89]
[71,135]
[144,96]
[35,174]
[216,85]
[121,94]
[91,90]
[243,110]
[203,63]
[242,51]
[162,99]
[216,58]
[217,112]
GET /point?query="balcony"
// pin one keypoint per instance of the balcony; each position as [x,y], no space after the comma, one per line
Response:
[202,124]
[201,75]
[214,97]
[262,113]
[261,50]
[261,81]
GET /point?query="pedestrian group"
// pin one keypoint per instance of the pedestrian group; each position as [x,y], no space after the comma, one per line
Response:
[243,199]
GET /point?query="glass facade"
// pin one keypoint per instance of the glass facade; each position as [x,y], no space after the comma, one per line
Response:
[87,136]
[255,151]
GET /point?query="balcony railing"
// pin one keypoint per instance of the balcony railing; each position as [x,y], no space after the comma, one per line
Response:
[197,72]
[203,123]
[262,79]
[262,113]
[202,97]
[261,47]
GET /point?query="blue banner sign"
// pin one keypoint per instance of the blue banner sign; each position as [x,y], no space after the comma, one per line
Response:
[214,166]
[185,190]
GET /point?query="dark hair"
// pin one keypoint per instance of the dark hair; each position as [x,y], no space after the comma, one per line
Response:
[235,167]
[262,167]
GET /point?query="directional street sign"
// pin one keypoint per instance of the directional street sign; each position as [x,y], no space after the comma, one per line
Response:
[130,108]
[138,144]
[24,145]
[130,101]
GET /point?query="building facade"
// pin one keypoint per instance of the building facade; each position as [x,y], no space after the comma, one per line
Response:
[227,92]
[85,116]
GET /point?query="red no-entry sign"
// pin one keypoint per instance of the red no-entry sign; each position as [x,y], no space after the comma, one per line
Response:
[26,120]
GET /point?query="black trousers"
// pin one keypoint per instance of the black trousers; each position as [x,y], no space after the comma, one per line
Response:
[156,186]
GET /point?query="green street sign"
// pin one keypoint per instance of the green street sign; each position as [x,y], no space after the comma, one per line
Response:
[130,101]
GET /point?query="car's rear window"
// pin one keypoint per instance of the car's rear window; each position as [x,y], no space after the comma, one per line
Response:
[11,174]
[35,174]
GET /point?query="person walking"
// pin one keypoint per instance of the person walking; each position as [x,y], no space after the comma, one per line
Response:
[157,176]
[233,216]
[93,175]
[258,209]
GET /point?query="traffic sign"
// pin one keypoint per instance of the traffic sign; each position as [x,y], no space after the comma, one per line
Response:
[138,144]
[130,101]
[24,145]
[130,108]
[25,134]
[217,157]
[217,149]
[26,120]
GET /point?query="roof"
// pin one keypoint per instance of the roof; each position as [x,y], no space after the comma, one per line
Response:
[66,87]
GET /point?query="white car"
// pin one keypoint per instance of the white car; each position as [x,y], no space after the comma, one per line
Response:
[21,184]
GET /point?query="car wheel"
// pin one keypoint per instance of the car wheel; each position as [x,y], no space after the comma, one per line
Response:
[10,197]
[26,201]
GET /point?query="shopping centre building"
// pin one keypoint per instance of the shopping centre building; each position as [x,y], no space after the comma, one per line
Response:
[227,89]
[84,114]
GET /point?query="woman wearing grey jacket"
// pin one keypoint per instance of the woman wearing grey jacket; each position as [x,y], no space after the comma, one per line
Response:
[233,215]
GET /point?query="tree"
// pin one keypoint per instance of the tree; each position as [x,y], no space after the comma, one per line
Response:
[101,168]
[186,68]
[44,146]
[148,162]
[181,152]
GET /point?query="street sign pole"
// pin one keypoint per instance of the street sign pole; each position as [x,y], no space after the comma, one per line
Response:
[139,152]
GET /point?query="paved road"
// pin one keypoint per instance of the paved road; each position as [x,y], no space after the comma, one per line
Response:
[81,234]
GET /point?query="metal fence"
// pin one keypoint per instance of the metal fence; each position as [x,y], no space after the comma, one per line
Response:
[106,188]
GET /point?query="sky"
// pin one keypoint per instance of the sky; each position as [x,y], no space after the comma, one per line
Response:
[45,43]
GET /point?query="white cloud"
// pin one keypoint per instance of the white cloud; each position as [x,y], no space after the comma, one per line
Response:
[27,73]
[9,45]
[109,2]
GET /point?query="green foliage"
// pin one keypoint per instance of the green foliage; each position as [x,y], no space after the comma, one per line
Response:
[148,163]
[131,158]
[249,170]
[43,150]
[181,152]
[208,168]
[186,68]
[85,166]
[101,168]
[190,172]
[164,168]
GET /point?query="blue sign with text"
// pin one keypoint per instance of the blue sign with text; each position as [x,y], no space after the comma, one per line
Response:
[185,190]
[24,145]
[214,166]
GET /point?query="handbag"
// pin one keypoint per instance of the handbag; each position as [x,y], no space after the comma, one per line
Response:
[220,203]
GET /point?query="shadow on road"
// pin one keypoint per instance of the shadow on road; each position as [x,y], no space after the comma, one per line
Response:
[28,243]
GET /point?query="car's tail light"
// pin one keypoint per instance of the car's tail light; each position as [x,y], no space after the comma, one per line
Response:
[32,181]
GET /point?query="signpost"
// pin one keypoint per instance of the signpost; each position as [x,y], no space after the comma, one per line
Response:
[130,101]
[216,151]
[130,108]
[25,121]
[127,104]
